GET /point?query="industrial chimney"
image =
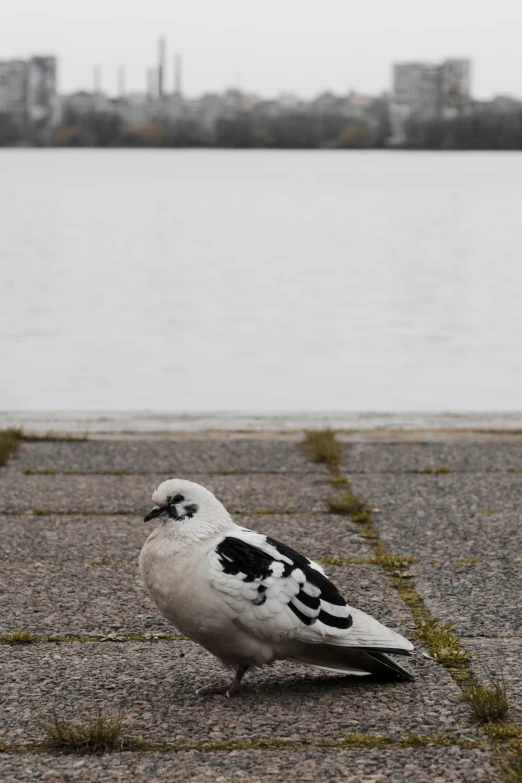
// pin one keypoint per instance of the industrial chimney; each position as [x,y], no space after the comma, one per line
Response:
[161,67]
[177,75]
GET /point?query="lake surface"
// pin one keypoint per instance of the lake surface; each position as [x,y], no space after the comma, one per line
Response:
[269,281]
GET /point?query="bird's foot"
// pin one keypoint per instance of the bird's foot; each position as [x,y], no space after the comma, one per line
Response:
[228,690]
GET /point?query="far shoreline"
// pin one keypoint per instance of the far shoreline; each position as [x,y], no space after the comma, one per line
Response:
[350,426]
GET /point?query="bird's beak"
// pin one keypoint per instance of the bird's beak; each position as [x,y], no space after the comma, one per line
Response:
[156,511]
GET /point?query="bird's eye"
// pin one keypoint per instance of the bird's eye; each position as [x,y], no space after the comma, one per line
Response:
[177,499]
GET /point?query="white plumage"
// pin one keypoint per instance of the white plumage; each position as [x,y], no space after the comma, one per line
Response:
[251,600]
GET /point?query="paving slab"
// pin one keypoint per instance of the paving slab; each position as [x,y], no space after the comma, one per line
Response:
[451,516]
[502,658]
[476,598]
[109,494]
[154,685]
[59,538]
[172,456]
[73,599]
[460,457]
[408,765]
[79,600]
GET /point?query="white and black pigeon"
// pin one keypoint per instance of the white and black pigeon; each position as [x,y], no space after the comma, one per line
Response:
[250,600]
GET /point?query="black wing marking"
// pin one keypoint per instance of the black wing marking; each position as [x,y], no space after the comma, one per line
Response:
[239,557]
[317,598]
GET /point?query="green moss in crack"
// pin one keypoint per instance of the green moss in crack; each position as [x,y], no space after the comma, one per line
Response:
[9,443]
[509,765]
[503,732]
[322,446]
[366,740]
[350,505]
[440,470]
[339,481]
[444,645]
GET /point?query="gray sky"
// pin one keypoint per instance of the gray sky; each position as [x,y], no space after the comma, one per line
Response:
[269,46]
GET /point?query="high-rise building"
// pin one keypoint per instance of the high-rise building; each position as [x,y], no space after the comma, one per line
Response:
[416,88]
[42,100]
[13,89]
[429,91]
[28,91]
[455,78]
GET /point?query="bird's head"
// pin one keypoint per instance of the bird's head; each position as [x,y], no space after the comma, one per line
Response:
[180,501]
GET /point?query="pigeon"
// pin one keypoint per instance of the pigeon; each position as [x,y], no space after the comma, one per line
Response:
[251,600]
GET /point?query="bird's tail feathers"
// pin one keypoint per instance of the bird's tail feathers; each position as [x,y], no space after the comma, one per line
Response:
[391,667]
[352,660]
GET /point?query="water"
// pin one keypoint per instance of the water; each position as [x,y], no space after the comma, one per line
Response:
[269,281]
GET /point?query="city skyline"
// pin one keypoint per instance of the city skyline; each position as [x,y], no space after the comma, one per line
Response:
[173,72]
[430,103]
[282,48]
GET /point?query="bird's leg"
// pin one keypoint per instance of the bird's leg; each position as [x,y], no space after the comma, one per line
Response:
[230,689]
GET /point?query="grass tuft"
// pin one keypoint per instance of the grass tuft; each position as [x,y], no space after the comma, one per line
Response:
[19,637]
[96,733]
[9,443]
[42,512]
[322,446]
[489,704]
[38,472]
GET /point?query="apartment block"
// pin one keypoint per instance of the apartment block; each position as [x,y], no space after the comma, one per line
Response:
[13,89]
[42,99]
[429,91]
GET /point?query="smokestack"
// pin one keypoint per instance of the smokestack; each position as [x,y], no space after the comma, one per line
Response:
[121,81]
[97,79]
[161,67]
[177,74]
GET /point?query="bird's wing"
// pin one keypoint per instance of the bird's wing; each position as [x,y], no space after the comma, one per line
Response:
[276,593]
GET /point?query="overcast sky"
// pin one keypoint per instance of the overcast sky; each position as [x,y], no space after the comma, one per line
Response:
[269,46]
